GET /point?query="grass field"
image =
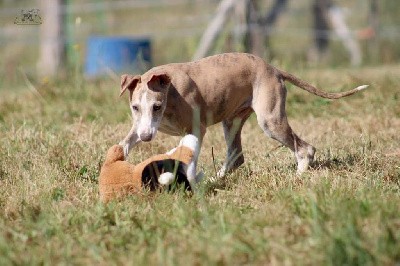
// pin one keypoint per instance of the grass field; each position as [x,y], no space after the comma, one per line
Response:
[344,211]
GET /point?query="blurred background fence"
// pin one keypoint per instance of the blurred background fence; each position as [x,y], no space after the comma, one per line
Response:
[176,27]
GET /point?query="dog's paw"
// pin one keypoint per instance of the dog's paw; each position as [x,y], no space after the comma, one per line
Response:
[125,147]
[222,172]
[302,166]
[304,160]
[195,180]
[199,177]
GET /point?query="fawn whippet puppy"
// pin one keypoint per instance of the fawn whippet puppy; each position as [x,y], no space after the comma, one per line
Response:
[225,88]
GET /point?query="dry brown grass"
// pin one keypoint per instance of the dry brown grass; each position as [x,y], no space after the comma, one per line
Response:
[345,210]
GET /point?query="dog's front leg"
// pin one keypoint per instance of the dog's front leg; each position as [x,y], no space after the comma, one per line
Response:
[130,141]
[192,174]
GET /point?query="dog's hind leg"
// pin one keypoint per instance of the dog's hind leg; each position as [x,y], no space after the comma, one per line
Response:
[232,133]
[269,106]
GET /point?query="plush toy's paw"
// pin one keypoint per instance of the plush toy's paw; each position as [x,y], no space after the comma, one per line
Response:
[115,153]
[166,178]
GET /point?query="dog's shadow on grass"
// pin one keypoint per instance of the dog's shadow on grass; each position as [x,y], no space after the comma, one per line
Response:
[215,184]
[227,182]
[337,163]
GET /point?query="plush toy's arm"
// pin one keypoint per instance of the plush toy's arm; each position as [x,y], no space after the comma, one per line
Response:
[182,154]
[117,176]
[115,153]
[165,178]
[159,157]
[186,152]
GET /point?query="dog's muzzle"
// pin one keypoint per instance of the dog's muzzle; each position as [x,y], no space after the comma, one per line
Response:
[146,137]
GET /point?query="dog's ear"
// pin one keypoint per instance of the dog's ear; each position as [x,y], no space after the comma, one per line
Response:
[128,82]
[159,82]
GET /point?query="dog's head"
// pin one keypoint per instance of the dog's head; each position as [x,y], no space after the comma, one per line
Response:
[148,100]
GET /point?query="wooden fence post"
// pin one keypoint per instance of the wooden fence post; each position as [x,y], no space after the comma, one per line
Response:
[51,51]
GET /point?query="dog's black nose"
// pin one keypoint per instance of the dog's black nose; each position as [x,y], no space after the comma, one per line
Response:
[146,137]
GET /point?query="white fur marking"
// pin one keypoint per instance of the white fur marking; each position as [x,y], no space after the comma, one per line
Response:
[147,123]
[166,178]
[190,141]
[145,120]
[171,151]
[362,87]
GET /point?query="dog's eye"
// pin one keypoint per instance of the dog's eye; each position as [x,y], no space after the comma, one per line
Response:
[135,108]
[156,108]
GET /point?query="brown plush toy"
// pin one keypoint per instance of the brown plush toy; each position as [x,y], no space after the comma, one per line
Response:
[178,166]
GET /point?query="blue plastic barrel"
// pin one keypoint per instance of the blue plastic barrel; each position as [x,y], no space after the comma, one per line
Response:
[118,54]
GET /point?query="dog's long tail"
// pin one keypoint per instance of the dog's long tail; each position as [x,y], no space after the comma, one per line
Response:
[310,88]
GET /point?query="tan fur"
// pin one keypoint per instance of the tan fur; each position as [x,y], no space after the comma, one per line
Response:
[224,88]
[119,178]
